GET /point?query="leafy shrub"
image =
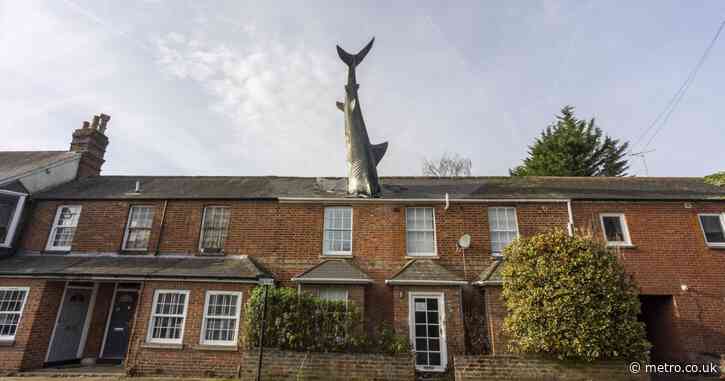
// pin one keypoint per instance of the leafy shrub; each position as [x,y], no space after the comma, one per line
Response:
[304,322]
[717,178]
[569,297]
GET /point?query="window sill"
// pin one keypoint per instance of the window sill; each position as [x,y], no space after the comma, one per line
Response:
[162,346]
[55,251]
[432,256]
[430,369]
[336,255]
[7,342]
[135,252]
[716,246]
[622,246]
[216,347]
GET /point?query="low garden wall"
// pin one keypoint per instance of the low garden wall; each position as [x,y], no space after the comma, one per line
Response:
[288,365]
[494,368]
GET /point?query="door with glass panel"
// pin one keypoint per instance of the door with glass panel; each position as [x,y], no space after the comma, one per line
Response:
[428,333]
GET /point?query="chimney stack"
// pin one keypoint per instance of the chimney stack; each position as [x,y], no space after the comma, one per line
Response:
[90,140]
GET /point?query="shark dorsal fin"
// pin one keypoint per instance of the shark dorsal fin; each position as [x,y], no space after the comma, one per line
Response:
[379,151]
[340,106]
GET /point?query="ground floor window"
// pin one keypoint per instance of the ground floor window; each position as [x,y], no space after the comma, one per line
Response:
[333,294]
[221,318]
[168,316]
[427,331]
[12,301]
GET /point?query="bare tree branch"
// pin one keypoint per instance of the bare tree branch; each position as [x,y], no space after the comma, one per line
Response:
[449,165]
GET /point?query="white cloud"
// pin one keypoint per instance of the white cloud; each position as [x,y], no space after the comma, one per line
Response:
[279,96]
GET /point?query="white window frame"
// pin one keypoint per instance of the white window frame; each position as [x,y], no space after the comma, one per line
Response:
[324,235]
[345,289]
[237,317]
[203,221]
[13,225]
[128,227]
[625,230]
[10,338]
[407,229]
[442,324]
[51,236]
[702,228]
[491,230]
[149,334]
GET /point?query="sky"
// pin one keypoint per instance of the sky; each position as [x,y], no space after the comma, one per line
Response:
[244,88]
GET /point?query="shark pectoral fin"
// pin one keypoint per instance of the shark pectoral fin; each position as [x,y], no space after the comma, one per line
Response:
[379,151]
[340,106]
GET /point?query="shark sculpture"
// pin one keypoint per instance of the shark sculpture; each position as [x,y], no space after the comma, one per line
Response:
[362,157]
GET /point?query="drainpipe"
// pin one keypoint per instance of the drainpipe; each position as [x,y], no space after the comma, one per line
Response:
[161,228]
[570,224]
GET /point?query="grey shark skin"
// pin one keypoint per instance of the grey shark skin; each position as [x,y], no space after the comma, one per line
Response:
[362,157]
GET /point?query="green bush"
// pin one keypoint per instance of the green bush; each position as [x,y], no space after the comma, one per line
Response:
[569,297]
[304,322]
[717,178]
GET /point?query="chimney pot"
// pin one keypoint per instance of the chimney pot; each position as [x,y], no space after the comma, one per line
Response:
[86,124]
[104,122]
[96,119]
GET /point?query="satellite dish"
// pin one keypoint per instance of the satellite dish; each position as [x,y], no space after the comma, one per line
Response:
[465,241]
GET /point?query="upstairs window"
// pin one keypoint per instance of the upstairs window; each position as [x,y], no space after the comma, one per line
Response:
[64,227]
[11,206]
[214,229]
[138,228]
[614,227]
[420,231]
[503,226]
[168,316]
[12,301]
[338,231]
[713,227]
[221,318]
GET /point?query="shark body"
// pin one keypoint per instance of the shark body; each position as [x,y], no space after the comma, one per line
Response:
[362,157]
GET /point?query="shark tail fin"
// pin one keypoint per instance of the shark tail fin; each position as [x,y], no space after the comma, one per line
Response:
[379,151]
[353,60]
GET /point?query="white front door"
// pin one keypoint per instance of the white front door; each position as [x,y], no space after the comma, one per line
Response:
[428,334]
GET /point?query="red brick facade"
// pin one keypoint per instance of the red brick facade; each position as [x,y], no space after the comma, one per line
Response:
[287,239]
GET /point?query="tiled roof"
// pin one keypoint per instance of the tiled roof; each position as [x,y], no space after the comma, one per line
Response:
[396,188]
[492,275]
[337,271]
[425,272]
[133,267]
[18,163]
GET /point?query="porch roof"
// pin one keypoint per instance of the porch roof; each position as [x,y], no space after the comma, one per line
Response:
[231,269]
[492,275]
[424,272]
[334,271]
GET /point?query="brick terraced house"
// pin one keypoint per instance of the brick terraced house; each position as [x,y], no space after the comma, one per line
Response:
[154,271]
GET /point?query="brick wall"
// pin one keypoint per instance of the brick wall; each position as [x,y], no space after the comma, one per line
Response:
[294,366]
[495,314]
[670,251]
[97,328]
[191,358]
[504,368]
[287,238]
[36,324]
